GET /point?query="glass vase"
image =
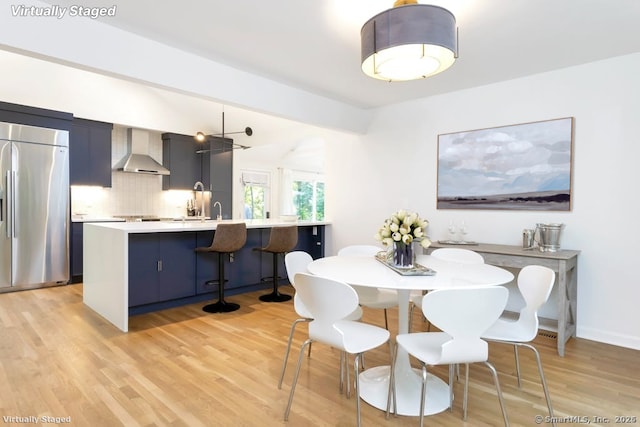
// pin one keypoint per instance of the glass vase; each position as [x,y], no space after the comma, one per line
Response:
[402,255]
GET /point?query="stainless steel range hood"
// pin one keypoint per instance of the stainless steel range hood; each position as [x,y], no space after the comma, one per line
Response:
[138,159]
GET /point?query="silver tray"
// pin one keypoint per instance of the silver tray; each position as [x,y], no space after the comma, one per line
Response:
[416,270]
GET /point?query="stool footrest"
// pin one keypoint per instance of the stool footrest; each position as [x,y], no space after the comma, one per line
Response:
[270,279]
[213,282]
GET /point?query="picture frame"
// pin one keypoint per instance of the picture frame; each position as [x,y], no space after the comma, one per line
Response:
[524,166]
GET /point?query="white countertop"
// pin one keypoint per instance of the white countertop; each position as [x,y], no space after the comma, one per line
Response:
[197,225]
[87,218]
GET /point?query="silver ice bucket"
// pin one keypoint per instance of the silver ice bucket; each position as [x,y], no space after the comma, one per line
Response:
[547,237]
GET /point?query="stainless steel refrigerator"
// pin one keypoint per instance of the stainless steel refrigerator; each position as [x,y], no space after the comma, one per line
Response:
[34,207]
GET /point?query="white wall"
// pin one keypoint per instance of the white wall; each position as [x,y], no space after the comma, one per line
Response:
[394,166]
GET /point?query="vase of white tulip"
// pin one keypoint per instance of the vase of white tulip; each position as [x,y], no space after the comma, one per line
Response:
[403,255]
[399,232]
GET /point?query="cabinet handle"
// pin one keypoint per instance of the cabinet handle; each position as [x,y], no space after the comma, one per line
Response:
[159,265]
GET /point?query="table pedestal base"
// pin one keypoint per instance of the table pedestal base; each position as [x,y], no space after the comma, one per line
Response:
[374,386]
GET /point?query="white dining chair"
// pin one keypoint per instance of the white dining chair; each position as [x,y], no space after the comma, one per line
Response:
[371,297]
[297,262]
[462,314]
[329,302]
[460,255]
[534,283]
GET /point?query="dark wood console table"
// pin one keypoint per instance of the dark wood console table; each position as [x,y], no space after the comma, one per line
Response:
[563,262]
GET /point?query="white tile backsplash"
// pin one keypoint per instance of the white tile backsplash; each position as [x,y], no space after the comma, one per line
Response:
[130,193]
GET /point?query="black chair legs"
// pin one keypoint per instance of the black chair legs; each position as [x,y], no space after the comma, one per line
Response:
[275,295]
[221,306]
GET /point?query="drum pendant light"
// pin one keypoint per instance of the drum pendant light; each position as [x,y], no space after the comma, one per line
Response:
[409,41]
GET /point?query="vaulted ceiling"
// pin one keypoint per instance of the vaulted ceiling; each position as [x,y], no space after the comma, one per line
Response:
[315,44]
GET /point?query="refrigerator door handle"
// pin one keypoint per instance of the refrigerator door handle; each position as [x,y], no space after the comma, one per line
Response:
[2,196]
[9,195]
[13,203]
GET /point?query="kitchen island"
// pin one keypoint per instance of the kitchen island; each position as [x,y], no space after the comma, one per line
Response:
[136,267]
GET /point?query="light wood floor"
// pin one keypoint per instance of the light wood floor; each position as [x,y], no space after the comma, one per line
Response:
[183,367]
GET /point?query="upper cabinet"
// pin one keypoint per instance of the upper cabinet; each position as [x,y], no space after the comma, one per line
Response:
[32,116]
[187,160]
[210,163]
[90,153]
[222,175]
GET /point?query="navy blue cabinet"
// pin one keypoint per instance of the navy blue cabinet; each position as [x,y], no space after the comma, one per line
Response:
[221,170]
[144,253]
[246,269]
[161,267]
[90,153]
[311,239]
[76,252]
[188,161]
[206,263]
[210,163]
[241,269]
[33,116]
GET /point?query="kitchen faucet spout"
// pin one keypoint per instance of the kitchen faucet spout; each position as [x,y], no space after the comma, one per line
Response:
[219,217]
[195,188]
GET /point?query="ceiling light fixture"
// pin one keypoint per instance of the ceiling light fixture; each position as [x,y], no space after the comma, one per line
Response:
[202,137]
[409,41]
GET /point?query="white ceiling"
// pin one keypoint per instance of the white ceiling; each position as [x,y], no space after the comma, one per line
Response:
[315,44]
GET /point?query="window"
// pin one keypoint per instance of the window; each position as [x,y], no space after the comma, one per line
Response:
[308,198]
[256,194]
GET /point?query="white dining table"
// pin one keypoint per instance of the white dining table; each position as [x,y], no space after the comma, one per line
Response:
[367,271]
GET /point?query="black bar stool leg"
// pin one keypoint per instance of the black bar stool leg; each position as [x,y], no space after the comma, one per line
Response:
[221,306]
[275,296]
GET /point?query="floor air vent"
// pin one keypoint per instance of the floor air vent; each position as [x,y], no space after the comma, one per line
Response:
[548,334]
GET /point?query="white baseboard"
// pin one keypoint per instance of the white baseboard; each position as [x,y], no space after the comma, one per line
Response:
[607,337]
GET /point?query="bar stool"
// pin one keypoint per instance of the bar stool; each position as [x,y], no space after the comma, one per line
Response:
[281,240]
[226,239]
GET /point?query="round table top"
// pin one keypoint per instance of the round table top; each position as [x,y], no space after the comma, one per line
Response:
[367,271]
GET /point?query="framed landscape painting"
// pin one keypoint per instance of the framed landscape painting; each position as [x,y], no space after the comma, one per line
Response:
[525,166]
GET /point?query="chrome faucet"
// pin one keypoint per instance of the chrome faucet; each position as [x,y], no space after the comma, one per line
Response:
[219,217]
[195,188]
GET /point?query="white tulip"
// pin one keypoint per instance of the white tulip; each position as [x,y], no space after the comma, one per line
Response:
[403,226]
[410,219]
